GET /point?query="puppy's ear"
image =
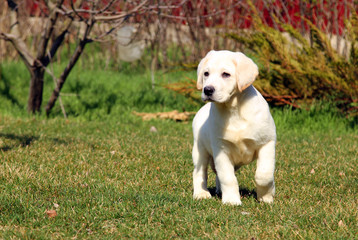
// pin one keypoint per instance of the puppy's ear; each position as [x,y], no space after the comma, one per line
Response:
[200,80]
[246,71]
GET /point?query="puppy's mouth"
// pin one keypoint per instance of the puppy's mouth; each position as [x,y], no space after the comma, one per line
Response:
[206,98]
[213,98]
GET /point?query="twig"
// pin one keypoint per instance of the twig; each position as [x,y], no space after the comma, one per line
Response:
[74,58]
[98,15]
[200,16]
[20,47]
[55,80]
[106,7]
[282,99]
[76,12]
[48,32]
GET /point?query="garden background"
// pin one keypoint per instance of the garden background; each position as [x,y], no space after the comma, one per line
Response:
[78,162]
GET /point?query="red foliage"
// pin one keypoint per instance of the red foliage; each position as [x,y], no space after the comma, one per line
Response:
[327,15]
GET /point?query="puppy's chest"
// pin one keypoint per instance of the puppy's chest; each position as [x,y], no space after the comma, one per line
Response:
[235,130]
[239,142]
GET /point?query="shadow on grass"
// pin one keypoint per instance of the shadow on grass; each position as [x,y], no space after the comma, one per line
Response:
[23,141]
[244,193]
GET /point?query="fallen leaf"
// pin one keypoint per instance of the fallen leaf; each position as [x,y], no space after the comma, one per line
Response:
[312,171]
[341,223]
[153,129]
[51,213]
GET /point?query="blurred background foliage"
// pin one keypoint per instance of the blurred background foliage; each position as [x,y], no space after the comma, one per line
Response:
[306,50]
[296,69]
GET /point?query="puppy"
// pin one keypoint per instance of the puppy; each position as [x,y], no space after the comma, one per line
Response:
[234,128]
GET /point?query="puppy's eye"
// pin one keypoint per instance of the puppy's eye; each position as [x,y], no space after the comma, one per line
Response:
[206,74]
[226,75]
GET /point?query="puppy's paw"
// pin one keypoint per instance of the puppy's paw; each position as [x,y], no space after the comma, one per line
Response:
[266,198]
[265,194]
[232,200]
[202,195]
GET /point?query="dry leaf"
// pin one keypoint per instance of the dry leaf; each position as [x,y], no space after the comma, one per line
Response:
[312,171]
[153,129]
[341,223]
[51,213]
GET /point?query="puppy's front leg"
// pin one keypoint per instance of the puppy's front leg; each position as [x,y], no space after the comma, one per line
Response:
[264,176]
[200,173]
[228,183]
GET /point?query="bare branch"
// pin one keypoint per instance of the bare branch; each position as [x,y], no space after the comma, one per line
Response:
[74,58]
[55,80]
[106,7]
[56,44]
[166,7]
[216,13]
[123,15]
[98,15]
[48,31]
[76,12]
[20,47]
[98,38]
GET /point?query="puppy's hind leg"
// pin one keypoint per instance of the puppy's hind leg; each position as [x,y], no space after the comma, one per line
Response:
[218,186]
[264,177]
[217,181]
[200,173]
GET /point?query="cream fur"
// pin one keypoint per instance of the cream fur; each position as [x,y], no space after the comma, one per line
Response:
[234,128]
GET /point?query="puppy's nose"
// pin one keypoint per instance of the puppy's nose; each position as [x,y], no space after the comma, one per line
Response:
[209,90]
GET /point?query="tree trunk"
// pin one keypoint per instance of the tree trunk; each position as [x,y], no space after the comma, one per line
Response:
[36,89]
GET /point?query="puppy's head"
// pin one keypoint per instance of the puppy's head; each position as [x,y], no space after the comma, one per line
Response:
[222,73]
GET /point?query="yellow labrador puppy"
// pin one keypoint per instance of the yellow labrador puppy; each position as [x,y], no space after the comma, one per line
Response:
[234,128]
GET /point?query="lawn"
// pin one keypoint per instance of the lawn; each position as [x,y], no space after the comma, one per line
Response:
[107,176]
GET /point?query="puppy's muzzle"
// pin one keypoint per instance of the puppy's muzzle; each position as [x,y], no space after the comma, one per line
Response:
[209,90]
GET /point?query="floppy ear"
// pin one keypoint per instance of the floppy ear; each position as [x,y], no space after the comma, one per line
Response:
[199,83]
[246,71]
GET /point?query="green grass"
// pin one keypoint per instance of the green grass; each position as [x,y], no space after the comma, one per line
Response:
[95,93]
[109,177]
